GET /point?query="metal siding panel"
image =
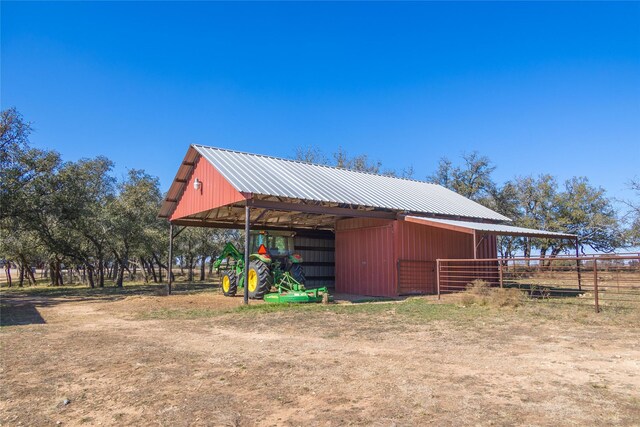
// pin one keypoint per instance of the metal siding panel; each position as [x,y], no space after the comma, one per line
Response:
[365,257]
[215,192]
[424,243]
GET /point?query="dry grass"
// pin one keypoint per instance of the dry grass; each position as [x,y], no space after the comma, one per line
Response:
[480,293]
[197,358]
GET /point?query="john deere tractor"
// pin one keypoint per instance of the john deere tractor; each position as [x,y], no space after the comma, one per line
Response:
[272,262]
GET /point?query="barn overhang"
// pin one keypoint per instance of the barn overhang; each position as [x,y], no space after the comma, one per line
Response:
[480,230]
[471,227]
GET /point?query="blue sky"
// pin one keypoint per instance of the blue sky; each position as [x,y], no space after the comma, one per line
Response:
[537,87]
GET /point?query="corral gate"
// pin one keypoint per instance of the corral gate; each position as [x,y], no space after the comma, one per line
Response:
[416,277]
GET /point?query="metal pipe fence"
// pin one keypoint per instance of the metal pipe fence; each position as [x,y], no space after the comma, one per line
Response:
[604,280]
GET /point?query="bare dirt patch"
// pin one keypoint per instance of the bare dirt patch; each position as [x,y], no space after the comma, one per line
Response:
[198,359]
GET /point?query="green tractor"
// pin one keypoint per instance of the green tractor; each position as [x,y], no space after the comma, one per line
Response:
[272,262]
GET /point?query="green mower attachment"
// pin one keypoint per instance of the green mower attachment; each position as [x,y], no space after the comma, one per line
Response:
[292,291]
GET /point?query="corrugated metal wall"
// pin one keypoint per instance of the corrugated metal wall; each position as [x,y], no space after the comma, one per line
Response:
[417,248]
[365,262]
[487,247]
[385,258]
[318,254]
[215,192]
[423,243]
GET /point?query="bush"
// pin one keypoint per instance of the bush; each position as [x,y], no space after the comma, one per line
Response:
[481,293]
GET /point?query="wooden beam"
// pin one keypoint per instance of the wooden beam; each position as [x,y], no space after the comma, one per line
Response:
[324,210]
[238,225]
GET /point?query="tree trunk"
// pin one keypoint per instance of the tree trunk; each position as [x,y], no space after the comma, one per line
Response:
[132,274]
[7,269]
[160,266]
[543,253]
[27,270]
[21,276]
[527,250]
[100,272]
[32,278]
[202,266]
[52,273]
[152,270]
[89,269]
[60,279]
[120,274]
[190,278]
[145,270]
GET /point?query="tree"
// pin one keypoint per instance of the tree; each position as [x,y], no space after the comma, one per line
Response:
[472,179]
[311,154]
[27,175]
[93,188]
[537,198]
[587,212]
[73,214]
[504,200]
[130,212]
[359,163]
[632,234]
[342,159]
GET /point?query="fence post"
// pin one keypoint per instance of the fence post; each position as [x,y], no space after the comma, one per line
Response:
[438,276]
[500,266]
[595,284]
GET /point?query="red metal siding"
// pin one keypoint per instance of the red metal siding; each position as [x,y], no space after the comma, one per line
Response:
[488,247]
[368,251]
[419,242]
[214,192]
[365,262]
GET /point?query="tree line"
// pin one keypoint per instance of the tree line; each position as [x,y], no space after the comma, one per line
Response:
[574,206]
[77,221]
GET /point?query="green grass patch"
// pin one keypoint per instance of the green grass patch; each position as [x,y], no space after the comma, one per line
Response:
[412,310]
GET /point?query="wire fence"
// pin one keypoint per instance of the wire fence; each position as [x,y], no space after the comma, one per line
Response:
[598,280]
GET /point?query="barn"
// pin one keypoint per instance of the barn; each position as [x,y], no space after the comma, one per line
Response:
[358,233]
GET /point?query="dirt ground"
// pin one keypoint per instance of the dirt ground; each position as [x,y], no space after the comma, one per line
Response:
[196,359]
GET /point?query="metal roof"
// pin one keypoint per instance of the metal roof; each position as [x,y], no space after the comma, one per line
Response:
[272,176]
[500,229]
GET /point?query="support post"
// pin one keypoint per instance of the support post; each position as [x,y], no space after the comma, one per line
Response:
[475,244]
[438,276]
[578,264]
[247,221]
[500,266]
[595,284]
[170,260]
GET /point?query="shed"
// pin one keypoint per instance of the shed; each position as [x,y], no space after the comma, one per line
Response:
[360,233]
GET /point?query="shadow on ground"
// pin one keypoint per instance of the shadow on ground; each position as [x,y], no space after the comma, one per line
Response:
[19,306]
[24,313]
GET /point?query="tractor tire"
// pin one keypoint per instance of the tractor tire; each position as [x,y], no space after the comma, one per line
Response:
[229,283]
[297,273]
[259,279]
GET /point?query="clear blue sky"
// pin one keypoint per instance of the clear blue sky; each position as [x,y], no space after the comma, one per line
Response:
[543,87]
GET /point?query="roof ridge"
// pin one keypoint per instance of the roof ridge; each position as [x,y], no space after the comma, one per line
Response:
[314,164]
